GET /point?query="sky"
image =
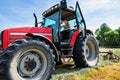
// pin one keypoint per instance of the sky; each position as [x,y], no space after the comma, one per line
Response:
[19,13]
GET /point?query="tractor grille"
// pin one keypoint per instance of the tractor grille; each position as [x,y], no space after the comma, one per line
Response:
[16,36]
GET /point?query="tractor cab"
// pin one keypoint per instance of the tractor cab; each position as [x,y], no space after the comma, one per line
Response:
[59,17]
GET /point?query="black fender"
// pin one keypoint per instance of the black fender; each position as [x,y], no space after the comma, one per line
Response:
[76,34]
[89,31]
[47,41]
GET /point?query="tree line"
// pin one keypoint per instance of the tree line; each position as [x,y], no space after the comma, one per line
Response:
[108,37]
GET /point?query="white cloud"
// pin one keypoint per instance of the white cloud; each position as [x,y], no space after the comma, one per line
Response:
[97,12]
[95,23]
[89,6]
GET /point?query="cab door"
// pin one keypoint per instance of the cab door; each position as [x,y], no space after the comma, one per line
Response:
[80,20]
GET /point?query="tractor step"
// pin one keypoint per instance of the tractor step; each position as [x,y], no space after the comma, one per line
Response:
[0,51]
[68,49]
[66,56]
[64,45]
[66,52]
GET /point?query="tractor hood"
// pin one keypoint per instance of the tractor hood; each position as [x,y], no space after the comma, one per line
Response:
[12,34]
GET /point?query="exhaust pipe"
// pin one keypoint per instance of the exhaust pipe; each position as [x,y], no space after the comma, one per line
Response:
[36,22]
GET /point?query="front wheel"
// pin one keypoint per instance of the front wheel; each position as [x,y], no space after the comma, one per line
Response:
[86,52]
[27,59]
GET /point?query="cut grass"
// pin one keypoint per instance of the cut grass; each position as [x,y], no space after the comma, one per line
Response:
[105,73]
[105,70]
[96,73]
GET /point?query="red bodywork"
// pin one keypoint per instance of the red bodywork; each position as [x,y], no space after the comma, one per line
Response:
[74,37]
[10,35]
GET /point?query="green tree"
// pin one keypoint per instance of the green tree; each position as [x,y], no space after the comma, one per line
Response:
[112,38]
[118,30]
[101,33]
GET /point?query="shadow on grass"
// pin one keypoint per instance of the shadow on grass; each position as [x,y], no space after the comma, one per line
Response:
[65,68]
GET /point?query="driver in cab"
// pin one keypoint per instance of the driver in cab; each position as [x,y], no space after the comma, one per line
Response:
[66,25]
[65,31]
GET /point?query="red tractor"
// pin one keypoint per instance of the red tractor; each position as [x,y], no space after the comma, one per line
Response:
[30,53]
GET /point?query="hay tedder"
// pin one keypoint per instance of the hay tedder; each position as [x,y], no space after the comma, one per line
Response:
[109,55]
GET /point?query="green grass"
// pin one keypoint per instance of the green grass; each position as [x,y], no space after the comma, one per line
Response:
[68,72]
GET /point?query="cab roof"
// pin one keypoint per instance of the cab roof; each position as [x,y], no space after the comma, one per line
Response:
[66,14]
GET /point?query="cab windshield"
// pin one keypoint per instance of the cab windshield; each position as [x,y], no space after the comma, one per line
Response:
[52,21]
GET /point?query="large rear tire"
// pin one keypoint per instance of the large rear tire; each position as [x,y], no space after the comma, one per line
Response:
[27,59]
[86,52]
